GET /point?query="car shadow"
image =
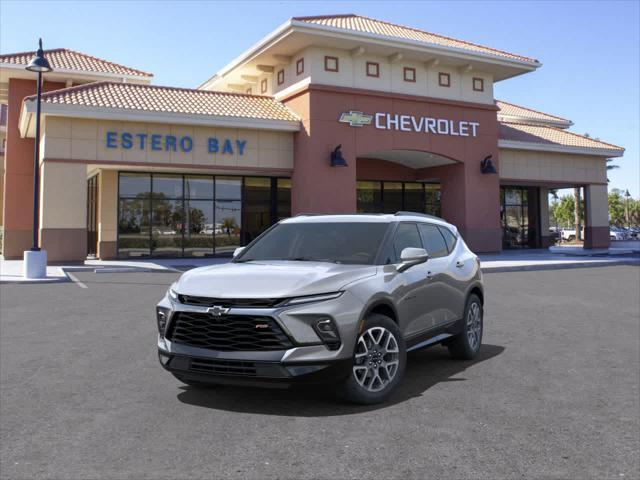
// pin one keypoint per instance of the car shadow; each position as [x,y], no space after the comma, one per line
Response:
[425,368]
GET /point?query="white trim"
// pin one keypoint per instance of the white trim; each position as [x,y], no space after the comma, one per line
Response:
[85,73]
[128,115]
[542,147]
[528,120]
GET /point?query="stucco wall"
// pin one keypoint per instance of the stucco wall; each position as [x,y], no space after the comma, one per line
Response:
[85,140]
[352,73]
[551,167]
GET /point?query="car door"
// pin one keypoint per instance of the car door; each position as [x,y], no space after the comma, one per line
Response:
[413,284]
[437,291]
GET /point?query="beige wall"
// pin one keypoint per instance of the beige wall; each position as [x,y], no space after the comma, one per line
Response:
[551,167]
[597,212]
[352,73]
[63,195]
[80,139]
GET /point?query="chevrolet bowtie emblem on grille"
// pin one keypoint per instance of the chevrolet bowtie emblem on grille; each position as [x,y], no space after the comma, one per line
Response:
[217,311]
[355,119]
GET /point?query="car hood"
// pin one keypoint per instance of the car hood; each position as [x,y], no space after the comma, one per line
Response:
[273,279]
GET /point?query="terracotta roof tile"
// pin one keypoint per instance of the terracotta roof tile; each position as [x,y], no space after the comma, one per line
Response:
[379,27]
[513,110]
[65,59]
[517,132]
[153,98]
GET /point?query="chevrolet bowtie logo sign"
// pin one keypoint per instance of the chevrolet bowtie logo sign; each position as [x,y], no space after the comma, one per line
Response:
[217,311]
[356,119]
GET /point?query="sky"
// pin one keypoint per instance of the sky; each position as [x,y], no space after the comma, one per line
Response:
[590,51]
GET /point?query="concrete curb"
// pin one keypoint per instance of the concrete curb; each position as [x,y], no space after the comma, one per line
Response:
[560,266]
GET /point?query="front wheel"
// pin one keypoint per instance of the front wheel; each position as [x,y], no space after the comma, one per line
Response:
[466,344]
[379,361]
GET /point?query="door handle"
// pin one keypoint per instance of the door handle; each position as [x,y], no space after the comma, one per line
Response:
[459,264]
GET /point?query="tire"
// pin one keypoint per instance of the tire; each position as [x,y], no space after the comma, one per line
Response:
[194,383]
[467,343]
[571,238]
[373,377]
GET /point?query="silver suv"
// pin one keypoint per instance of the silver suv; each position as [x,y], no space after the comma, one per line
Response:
[331,298]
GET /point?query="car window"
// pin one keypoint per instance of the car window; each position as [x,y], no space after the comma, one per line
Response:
[449,238]
[406,236]
[433,241]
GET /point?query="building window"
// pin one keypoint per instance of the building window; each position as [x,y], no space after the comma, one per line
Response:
[390,197]
[444,79]
[300,66]
[280,77]
[248,91]
[478,84]
[164,215]
[263,86]
[331,64]
[409,74]
[373,69]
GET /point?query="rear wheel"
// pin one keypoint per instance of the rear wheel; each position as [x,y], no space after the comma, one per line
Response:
[466,344]
[379,361]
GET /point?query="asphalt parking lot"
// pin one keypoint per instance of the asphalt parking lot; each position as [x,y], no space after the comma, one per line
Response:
[554,394]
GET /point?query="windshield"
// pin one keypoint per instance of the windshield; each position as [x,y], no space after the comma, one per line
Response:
[339,242]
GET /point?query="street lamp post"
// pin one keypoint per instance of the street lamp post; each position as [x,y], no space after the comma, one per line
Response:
[35,260]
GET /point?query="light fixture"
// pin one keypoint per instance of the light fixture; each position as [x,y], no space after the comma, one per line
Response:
[337,160]
[39,62]
[486,166]
[35,260]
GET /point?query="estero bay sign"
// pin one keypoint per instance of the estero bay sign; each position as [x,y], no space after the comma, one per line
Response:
[171,143]
[411,123]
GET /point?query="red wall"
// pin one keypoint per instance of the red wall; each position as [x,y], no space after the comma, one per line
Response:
[18,177]
[470,200]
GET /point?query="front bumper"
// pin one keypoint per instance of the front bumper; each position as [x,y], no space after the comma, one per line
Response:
[308,360]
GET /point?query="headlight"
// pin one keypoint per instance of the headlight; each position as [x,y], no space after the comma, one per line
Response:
[312,298]
[173,295]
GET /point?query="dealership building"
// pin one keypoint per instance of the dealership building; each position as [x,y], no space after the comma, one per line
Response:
[331,114]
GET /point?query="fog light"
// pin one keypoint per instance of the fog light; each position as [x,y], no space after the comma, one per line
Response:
[327,331]
[164,359]
[162,315]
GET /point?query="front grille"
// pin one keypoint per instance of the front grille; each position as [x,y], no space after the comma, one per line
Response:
[222,367]
[227,333]
[229,302]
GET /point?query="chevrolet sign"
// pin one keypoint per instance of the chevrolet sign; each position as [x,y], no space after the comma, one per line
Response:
[355,119]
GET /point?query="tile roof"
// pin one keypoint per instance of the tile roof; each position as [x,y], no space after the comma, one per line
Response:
[370,25]
[512,110]
[65,59]
[544,135]
[152,98]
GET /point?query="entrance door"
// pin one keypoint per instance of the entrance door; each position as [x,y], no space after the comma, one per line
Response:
[92,216]
[520,217]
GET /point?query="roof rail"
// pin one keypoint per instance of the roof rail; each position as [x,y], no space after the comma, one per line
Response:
[416,214]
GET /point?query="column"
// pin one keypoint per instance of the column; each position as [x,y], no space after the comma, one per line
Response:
[596,216]
[546,240]
[63,211]
[107,214]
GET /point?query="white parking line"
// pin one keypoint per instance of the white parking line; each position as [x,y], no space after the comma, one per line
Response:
[75,280]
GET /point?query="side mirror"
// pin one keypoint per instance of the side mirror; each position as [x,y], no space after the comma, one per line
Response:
[237,251]
[412,256]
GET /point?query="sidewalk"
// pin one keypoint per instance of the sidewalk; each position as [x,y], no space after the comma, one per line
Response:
[506,261]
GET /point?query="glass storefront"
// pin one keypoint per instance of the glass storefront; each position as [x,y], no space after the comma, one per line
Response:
[170,215]
[390,197]
[519,217]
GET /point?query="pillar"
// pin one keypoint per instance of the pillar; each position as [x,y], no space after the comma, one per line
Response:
[63,211]
[596,216]
[107,214]
[546,240]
